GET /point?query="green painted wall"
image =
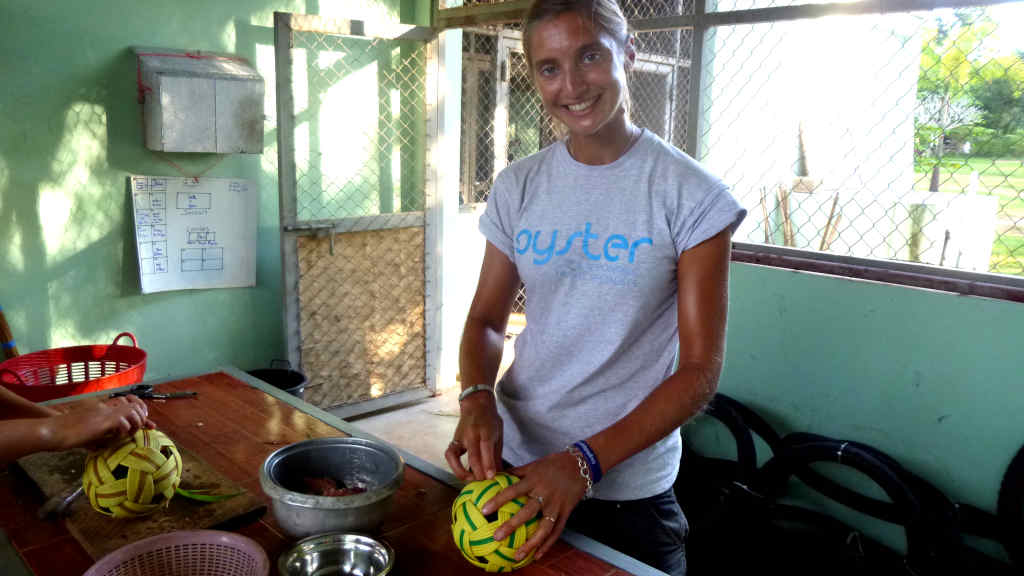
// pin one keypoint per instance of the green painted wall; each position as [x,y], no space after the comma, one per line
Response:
[931,378]
[70,134]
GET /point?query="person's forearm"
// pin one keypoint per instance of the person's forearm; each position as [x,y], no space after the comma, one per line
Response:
[25,436]
[665,409]
[480,352]
[13,406]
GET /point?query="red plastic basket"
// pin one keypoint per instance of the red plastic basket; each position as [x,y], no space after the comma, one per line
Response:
[59,372]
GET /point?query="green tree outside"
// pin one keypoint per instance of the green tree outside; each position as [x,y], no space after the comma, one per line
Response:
[967,93]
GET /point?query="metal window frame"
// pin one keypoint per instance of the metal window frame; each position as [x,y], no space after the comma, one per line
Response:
[983,284]
[477,64]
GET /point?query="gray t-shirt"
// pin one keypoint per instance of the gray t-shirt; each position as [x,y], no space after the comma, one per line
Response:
[596,247]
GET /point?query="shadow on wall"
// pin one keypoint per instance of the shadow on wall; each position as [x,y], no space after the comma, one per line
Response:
[58,223]
[66,225]
[71,134]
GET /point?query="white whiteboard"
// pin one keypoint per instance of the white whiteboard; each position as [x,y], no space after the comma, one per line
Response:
[194,232]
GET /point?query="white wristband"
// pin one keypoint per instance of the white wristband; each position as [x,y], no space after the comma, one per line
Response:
[474,390]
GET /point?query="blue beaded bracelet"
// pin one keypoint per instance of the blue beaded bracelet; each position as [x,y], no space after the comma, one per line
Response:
[591,458]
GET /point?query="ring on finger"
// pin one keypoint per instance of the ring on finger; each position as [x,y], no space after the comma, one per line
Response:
[552,519]
[539,499]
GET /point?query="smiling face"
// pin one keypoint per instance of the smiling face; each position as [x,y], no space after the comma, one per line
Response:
[580,74]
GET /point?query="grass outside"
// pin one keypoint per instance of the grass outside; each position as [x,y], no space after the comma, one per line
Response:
[1002,177]
[1008,255]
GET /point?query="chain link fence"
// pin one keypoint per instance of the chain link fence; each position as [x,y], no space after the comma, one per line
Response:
[870,136]
[895,137]
[360,139]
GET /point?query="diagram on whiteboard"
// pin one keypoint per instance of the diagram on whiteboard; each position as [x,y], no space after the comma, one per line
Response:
[194,232]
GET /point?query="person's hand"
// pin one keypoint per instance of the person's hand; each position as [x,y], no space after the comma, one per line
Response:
[553,486]
[95,420]
[479,432]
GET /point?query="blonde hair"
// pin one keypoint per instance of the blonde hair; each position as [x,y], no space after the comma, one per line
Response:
[605,15]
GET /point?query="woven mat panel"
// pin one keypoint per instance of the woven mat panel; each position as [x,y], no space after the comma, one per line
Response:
[362,315]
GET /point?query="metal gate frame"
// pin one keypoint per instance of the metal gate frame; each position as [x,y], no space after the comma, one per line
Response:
[431,218]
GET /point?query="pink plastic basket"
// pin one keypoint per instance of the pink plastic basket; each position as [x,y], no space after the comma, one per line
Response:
[186,553]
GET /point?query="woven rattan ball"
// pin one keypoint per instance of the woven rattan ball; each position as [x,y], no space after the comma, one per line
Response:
[134,476]
[474,532]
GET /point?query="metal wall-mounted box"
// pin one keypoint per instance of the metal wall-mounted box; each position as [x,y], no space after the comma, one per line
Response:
[200,102]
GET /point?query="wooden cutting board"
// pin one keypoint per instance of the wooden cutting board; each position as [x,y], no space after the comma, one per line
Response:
[58,473]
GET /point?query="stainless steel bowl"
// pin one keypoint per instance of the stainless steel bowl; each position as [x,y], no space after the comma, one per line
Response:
[354,461]
[337,554]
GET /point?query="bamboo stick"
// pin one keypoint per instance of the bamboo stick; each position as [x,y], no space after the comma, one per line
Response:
[787,225]
[828,223]
[834,232]
[767,221]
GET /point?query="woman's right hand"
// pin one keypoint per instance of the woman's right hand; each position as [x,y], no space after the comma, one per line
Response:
[94,420]
[479,433]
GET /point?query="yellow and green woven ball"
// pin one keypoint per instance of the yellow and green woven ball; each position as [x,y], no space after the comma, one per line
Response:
[134,476]
[474,532]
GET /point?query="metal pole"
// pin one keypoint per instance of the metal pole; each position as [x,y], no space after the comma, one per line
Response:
[695,121]
[286,185]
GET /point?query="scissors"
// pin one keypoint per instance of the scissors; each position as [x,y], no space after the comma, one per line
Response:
[146,391]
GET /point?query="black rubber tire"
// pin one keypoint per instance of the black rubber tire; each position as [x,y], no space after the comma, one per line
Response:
[797,456]
[941,539]
[978,522]
[746,452]
[881,509]
[753,420]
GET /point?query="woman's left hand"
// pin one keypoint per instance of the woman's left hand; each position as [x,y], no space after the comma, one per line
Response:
[553,486]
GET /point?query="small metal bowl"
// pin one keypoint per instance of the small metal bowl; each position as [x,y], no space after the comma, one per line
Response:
[372,465]
[337,553]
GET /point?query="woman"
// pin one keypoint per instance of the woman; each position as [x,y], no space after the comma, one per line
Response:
[27,427]
[622,242]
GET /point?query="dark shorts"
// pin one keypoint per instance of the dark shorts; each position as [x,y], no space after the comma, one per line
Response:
[652,530]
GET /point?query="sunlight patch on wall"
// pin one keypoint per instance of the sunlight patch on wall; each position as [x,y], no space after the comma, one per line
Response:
[75,209]
[268,161]
[54,213]
[266,17]
[10,238]
[229,38]
[349,9]
[300,80]
[361,10]
[302,148]
[11,257]
[64,331]
[328,58]
[265,66]
[5,179]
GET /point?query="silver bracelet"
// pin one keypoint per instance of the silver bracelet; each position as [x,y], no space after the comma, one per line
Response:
[474,390]
[584,470]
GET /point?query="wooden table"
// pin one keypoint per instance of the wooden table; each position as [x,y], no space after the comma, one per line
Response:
[234,424]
